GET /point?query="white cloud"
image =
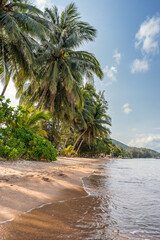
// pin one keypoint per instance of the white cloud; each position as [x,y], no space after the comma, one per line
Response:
[126,108]
[41,4]
[147,39]
[111,72]
[148,35]
[146,140]
[139,66]
[117,57]
[134,129]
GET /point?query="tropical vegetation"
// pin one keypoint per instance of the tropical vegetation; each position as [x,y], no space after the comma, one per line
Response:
[59,106]
[19,134]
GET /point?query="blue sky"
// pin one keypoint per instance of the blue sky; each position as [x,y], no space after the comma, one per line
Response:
[127,47]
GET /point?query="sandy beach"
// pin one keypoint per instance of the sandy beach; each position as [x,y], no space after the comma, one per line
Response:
[47,201]
[28,184]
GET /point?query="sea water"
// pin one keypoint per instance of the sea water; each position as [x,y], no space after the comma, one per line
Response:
[128,196]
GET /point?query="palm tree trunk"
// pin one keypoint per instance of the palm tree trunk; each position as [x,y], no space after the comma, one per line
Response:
[43,95]
[7,74]
[52,102]
[4,89]
[67,136]
[78,139]
[80,145]
[65,142]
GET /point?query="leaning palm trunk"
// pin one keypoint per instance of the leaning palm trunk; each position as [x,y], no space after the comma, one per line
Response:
[43,95]
[78,139]
[4,89]
[80,145]
[7,79]
[65,142]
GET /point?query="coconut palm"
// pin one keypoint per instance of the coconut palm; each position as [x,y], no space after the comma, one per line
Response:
[95,117]
[19,22]
[97,128]
[12,62]
[62,68]
[17,16]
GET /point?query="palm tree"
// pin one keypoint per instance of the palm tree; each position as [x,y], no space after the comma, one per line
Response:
[17,16]
[19,22]
[31,119]
[62,68]
[12,62]
[95,117]
[97,128]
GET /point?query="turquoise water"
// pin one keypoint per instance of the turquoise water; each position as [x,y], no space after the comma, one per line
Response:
[128,192]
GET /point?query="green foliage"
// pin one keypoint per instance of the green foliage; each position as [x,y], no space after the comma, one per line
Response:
[5,111]
[22,116]
[114,150]
[19,23]
[32,119]
[142,153]
[16,138]
[60,67]
[40,51]
[24,143]
[91,123]
[100,146]
[7,151]
[68,151]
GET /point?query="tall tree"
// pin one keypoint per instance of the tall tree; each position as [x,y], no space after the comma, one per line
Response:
[95,116]
[19,22]
[62,68]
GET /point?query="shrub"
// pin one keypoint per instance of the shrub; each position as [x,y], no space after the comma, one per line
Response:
[24,143]
[8,152]
[17,140]
[67,151]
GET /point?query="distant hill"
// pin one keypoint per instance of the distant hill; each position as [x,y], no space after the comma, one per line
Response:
[125,147]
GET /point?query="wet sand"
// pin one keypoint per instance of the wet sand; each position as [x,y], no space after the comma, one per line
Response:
[29,184]
[26,185]
[72,219]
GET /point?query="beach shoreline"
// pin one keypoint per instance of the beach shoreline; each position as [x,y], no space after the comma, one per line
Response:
[43,200]
[26,185]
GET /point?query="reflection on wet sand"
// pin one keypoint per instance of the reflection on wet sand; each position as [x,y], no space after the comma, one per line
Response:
[79,218]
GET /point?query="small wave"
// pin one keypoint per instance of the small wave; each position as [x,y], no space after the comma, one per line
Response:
[9,220]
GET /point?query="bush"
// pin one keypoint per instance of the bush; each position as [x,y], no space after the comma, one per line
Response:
[68,151]
[17,140]
[24,143]
[8,152]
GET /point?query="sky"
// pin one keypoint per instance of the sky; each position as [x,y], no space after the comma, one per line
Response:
[128,48]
